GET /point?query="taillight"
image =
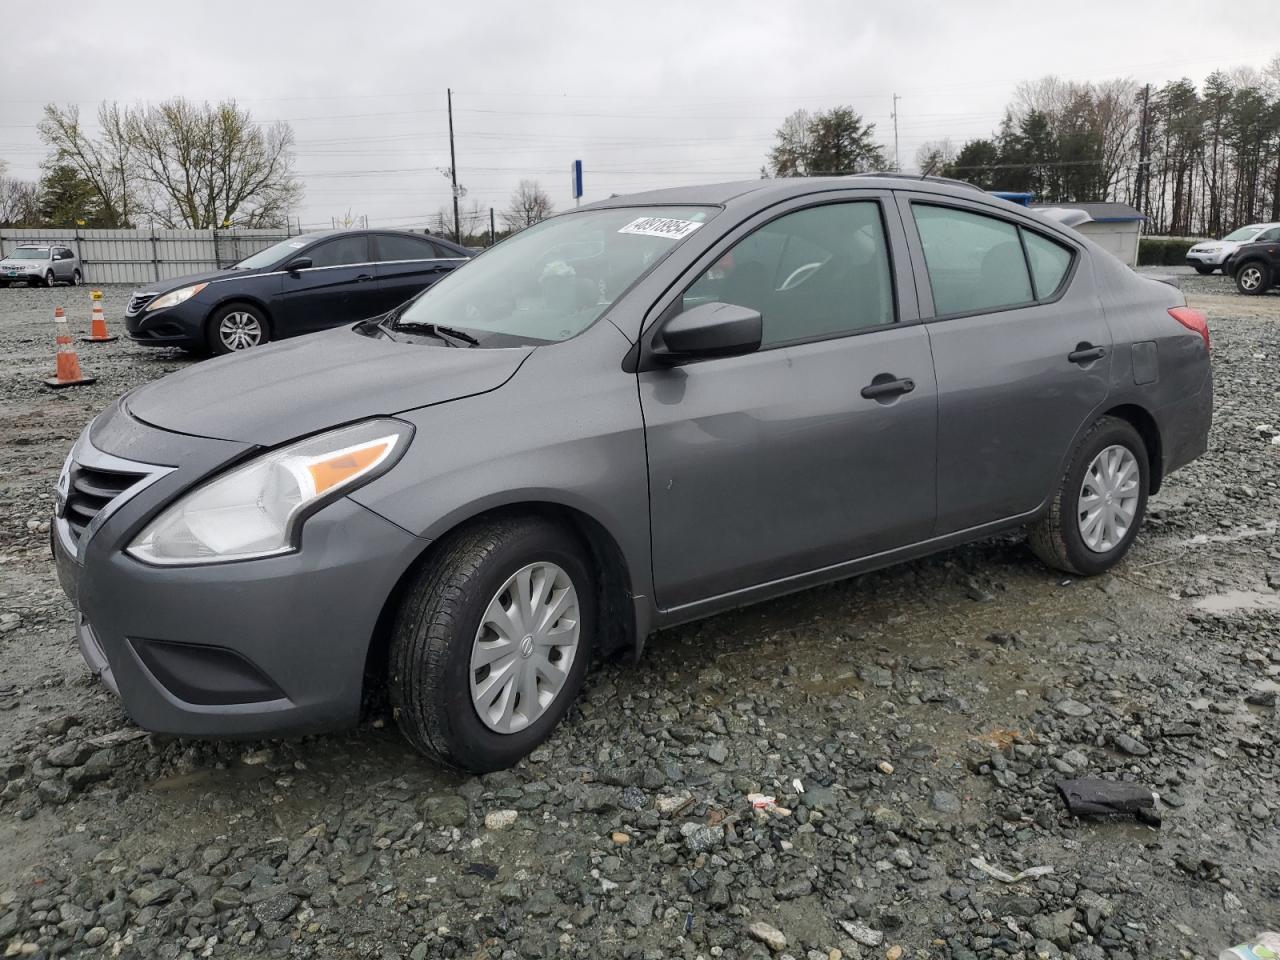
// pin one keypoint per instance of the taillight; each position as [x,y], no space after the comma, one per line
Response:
[1193,320]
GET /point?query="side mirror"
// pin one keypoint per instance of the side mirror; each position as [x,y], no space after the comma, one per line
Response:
[709,330]
[298,263]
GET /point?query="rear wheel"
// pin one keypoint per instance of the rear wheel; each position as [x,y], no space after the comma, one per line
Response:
[236,326]
[75,277]
[1204,270]
[1100,503]
[1253,278]
[491,642]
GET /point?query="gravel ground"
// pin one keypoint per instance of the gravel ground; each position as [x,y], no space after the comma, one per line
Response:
[911,725]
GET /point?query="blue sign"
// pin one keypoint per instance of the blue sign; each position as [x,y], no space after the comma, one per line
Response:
[576,174]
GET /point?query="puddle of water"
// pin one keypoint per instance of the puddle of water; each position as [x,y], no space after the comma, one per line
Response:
[1234,601]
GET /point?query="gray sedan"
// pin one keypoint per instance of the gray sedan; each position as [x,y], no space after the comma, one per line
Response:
[635,414]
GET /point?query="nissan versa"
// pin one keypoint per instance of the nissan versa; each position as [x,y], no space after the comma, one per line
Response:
[310,282]
[627,416]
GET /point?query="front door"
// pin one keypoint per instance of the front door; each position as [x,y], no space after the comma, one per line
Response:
[340,286]
[1021,353]
[818,448]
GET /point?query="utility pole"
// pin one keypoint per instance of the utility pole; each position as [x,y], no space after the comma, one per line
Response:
[493,234]
[1143,176]
[897,167]
[453,173]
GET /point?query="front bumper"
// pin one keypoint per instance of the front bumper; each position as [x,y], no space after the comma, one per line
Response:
[275,645]
[1212,258]
[180,326]
[13,275]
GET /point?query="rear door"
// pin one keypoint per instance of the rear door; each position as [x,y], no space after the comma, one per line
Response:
[796,457]
[406,265]
[340,286]
[1021,351]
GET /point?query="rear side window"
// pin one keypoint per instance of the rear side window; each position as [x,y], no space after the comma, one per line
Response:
[822,271]
[444,253]
[975,262]
[1049,263]
[342,250]
[405,248]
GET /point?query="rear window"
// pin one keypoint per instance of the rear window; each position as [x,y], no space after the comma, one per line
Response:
[1049,263]
[975,262]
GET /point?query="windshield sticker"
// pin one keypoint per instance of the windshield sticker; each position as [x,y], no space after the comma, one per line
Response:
[661,227]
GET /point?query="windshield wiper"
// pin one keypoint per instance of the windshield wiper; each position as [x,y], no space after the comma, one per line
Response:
[436,330]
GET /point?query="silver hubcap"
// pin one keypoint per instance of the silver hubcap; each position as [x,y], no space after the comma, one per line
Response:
[1108,498]
[1250,278]
[240,331]
[524,649]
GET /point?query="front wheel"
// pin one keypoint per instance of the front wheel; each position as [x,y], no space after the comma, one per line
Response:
[48,279]
[491,642]
[1203,270]
[1100,503]
[1253,278]
[237,326]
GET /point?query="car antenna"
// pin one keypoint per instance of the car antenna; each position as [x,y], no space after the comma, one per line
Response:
[929,169]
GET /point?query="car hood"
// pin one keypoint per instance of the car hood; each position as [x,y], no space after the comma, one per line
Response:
[272,394]
[176,283]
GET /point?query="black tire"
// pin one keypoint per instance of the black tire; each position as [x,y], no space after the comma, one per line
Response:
[49,279]
[1203,270]
[212,326]
[75,277]
[1056,538]
[1253,278]
[435,628]
[4,284]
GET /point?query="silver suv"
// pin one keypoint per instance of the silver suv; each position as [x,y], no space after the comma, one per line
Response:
[41,263]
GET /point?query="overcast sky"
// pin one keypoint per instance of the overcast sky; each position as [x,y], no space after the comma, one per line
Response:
[646,94]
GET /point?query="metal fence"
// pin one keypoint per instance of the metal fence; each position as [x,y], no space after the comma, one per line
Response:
[146,255]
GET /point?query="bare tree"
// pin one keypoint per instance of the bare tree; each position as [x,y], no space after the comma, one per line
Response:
[529,204]
[212,166]
[106,163]
[19,202]
[933,155]
[470,220]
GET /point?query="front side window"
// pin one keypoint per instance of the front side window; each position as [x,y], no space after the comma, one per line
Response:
[1268,236]
[391,247]
[554,279]
[340,251]
[818,272]
[975,262]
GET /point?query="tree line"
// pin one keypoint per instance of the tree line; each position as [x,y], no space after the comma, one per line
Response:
[1197,160]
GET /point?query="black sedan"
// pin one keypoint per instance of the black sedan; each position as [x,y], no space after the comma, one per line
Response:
[305,283]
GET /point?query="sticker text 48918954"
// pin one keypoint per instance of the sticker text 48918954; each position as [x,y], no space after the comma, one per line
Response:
[661,227]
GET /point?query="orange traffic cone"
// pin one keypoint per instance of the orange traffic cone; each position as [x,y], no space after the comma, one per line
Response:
[98,332]
[69,374]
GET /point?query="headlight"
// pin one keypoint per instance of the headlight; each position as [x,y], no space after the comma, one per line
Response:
[176,297]
[255,510]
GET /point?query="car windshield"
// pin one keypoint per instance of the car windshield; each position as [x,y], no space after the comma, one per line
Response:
[277,251]
[1244,233]
[554,279]
[30,253]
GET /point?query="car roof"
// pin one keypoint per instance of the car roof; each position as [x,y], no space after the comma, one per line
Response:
[781,188]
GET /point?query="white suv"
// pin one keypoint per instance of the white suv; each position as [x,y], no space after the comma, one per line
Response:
[1210,255]
[45,263]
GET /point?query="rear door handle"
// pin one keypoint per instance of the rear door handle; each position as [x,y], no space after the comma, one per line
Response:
[885,386]
[363,277]
[1086,353]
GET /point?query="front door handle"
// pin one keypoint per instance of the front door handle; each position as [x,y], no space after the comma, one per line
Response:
[363,277]
[886,386]
[1086,353]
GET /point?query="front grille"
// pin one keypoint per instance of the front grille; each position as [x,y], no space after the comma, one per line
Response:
[137,303]
[90,491]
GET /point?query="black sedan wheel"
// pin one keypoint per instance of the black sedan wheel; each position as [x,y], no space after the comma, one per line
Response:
[1253,278]
[236,326]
